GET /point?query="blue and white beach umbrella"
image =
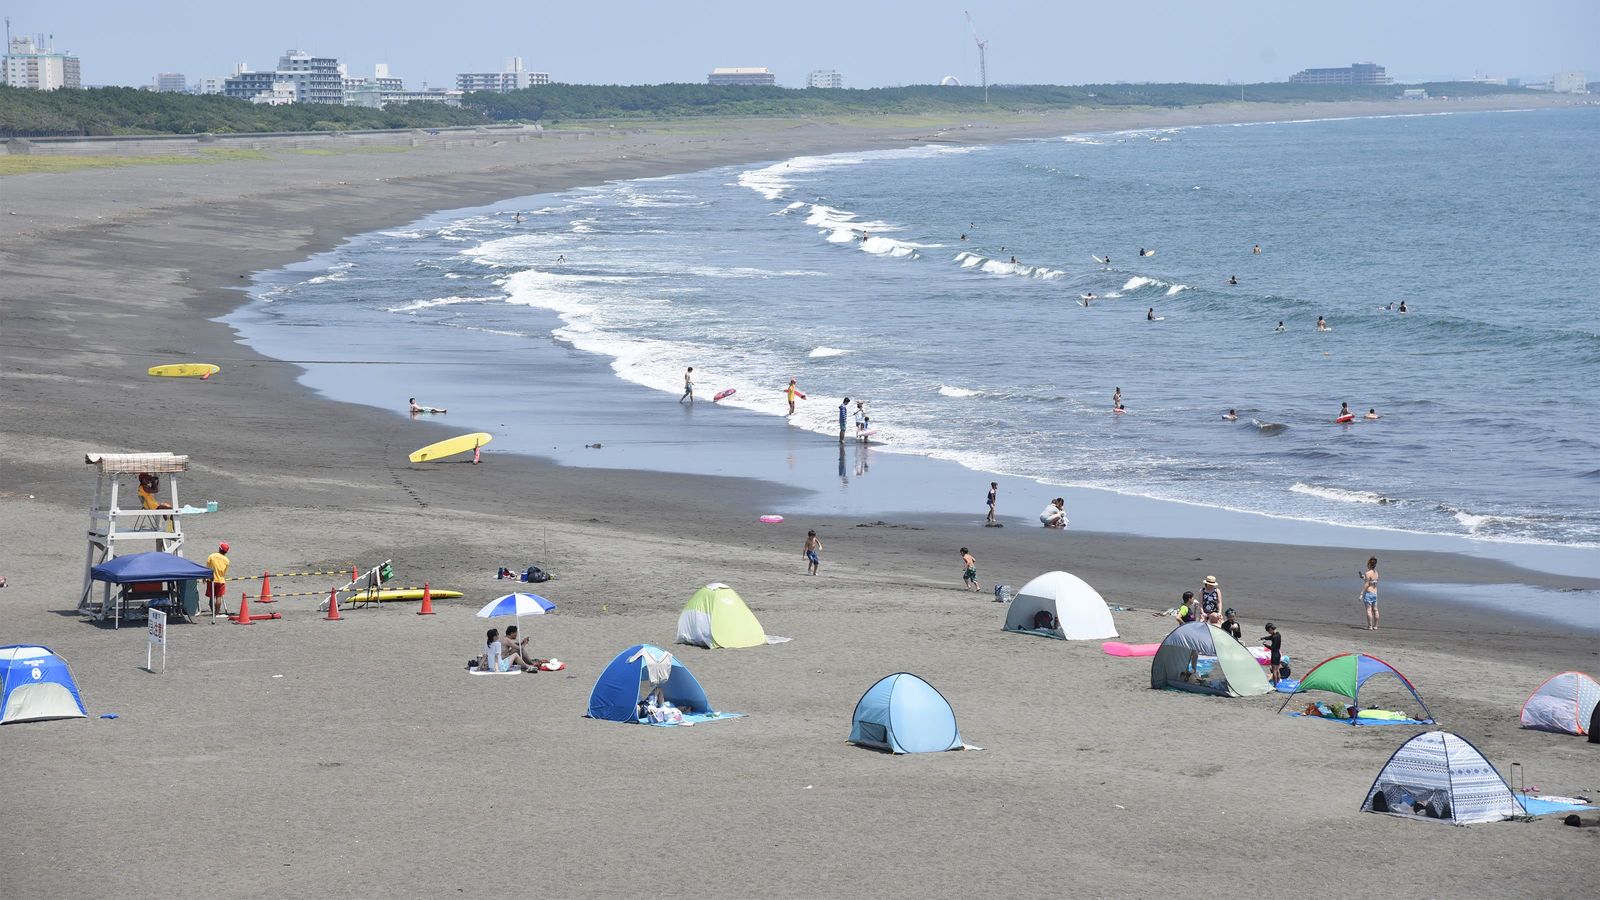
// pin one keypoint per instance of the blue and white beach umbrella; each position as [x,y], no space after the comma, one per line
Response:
[518,605]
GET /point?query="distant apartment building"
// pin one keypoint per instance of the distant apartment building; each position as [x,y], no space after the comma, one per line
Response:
[513,76]
[311,79]
[1356,73]
[735,75]
[170,83]
[280,94]
[1414,94]
[361,91]
[1569,83]
[825,78]
[30,63]
[210,84]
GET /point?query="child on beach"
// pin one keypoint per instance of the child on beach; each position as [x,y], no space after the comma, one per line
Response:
[969,571]
[994,493]
[861,419]
[812,548]
[790,393]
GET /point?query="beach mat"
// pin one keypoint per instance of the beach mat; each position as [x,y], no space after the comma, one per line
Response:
[695,719]
[1539,806]
[774,639]
[1362,722]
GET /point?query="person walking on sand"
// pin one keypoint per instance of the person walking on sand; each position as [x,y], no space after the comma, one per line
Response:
[969,570]
[844,417]
[812,552]
[218,563]
[688,385]
[790,393]
[1369,593]
[994,495]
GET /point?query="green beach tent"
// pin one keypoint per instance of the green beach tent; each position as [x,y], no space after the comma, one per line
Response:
[1346,674]
[717,617]
[1207,660]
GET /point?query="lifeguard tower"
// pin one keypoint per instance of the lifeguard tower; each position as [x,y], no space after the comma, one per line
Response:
[153,522]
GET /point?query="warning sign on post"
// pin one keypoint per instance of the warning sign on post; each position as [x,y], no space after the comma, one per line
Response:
[158,635]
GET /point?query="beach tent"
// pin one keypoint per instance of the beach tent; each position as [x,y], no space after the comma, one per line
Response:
[1441,777]
[1345,675]
[633,674]
[904,714]
[1594,725]
[1203,658]
[1077,611]
[717,617]
[36,684]
[1565,702]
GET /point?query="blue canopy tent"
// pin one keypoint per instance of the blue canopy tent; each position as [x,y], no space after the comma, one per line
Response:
[904,714]
[147,568]
[628,679]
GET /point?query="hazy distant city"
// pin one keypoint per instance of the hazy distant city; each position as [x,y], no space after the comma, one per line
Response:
[297,76]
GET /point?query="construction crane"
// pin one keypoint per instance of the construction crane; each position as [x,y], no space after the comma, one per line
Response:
[983,57]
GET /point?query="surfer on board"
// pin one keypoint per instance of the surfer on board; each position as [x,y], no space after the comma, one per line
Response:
[1280,326]
[1150,314]
[1233,279]
[1230,416]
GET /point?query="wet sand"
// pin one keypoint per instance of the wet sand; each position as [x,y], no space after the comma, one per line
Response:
[374,765]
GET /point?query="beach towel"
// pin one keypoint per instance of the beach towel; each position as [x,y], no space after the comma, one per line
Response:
[1363,719]
[695,719]
[1544,806]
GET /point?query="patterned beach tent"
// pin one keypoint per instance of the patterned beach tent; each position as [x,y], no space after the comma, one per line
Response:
[1077,611]
[1441,777]
[902,713]
[35,684]
[1205,659]
[1566,702]
[715,617]
[1345,675]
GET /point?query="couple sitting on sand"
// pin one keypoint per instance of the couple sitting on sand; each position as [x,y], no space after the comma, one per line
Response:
[500,654]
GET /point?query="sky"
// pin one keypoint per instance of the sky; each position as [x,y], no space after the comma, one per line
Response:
[872,44]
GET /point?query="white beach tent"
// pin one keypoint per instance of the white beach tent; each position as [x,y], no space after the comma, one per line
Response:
[1439,776]
[1077,611]
[1565,702]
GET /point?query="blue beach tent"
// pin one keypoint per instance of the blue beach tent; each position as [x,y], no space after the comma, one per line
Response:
[904,714]
[36,684]
[629,678]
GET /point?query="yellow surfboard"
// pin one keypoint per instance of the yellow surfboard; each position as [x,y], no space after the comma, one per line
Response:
[463,444]
[185,370]
[400,594]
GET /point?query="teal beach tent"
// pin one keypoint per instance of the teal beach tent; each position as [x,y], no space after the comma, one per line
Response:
[904,714]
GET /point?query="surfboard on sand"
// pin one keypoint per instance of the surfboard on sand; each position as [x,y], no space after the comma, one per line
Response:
[399,595]
[723,395]
[462,444]
[184,370]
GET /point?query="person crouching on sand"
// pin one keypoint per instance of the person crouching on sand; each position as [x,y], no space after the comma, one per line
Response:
[812,552]
[969,570]
[1054,515]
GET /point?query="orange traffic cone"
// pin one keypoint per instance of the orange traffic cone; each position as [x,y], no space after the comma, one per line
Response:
[243,618]
[333,606]
[266,589]
[354,575]
[427,601]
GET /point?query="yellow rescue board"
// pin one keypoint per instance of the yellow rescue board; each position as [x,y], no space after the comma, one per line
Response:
[401,594]
[185,370]
[451,447]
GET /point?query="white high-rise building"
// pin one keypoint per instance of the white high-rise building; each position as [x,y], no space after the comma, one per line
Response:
[170,83]
[313,79]
[29,64]
[825,78]
[1569,83]
[511,77]
[211,84]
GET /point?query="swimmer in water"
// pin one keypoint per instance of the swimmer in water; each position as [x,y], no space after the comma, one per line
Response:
[1142,253]
[518,217]
[1013,259]
[1150,314]
[1231,416]
[1108,260]
[1233,279]
[1372,414]
[1344,410]
[1256,250]
[1321,324]
[1403,306]
[1116,399]
[1280,326]
[561,259]
[963,237]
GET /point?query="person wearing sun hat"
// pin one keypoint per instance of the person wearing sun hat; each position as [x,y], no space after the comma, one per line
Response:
[218,585]
[1210,595]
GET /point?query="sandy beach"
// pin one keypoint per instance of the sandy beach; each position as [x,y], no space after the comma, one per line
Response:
[307,758]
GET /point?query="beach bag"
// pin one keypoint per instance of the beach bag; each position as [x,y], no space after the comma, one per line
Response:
[535,575]
[1002,593]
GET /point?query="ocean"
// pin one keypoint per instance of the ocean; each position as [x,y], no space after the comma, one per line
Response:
[888,276]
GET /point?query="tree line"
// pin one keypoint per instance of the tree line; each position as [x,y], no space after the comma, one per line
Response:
[130,111]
